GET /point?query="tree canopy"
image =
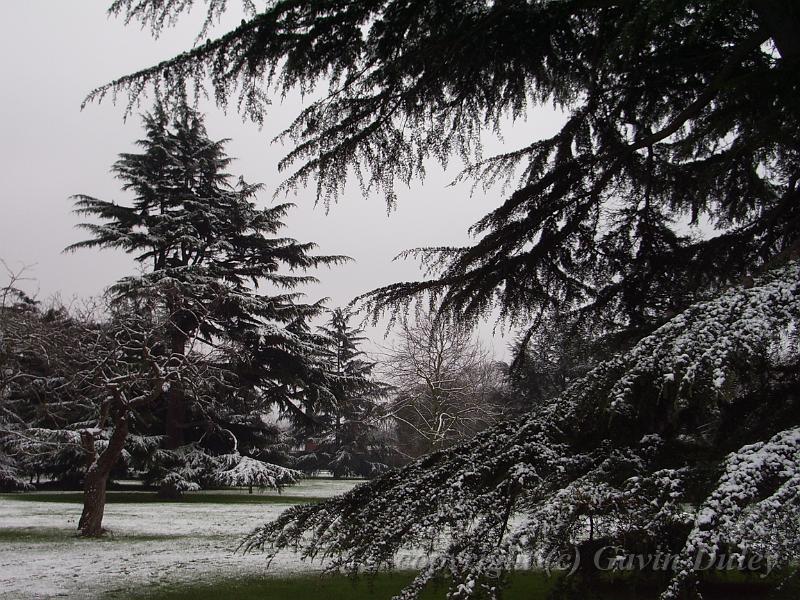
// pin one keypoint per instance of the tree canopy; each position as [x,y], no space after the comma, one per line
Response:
[348,436]
[196,229]
[677,113]
[660,221]
[208,252]
[686,444]
[207,249]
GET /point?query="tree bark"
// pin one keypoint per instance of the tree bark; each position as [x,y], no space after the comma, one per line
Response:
[97,472]
[94,504]
[176,416]
[175,396]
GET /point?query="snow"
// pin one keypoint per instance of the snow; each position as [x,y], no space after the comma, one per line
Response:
[710,356]
[317,488]
[152,545]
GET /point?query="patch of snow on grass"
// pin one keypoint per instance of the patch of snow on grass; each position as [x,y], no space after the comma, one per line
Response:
[152,544]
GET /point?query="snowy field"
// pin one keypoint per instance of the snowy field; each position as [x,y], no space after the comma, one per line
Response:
[153,544]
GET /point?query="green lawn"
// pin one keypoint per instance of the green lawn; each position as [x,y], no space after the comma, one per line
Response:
[524,586]
[35,535]
[327,587]
[150,497]
[51,535]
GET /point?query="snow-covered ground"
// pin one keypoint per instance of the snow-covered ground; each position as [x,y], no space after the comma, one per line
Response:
[307,488]
[153,544]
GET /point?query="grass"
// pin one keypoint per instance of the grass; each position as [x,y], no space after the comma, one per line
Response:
[48,535]
[328,587]
[36,535]
[152,497]
[528,585]
[311,586]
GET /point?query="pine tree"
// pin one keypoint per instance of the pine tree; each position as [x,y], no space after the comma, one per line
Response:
[687,444]
[348,436]
[676,113]
[206,250]
[661,221]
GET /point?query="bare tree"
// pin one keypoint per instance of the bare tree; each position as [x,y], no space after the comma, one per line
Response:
[12,300]
[73,380]
[127,374]
[447,387]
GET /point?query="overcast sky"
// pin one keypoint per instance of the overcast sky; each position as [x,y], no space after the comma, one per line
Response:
[55,52]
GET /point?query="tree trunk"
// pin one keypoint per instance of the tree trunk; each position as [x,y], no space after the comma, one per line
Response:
[176,416]
[97,472]
[94,504]
[175,396]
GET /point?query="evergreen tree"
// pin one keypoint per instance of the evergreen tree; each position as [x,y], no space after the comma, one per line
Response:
[677,114]
[687,444]
[207,249]
[548,360]
[348,436]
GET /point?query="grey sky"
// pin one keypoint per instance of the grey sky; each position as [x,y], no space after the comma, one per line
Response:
[55,51]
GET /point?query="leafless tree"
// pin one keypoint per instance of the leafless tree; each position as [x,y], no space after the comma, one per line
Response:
[447,387]
[74,380]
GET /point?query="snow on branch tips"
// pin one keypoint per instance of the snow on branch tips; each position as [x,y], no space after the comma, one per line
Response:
[621,457]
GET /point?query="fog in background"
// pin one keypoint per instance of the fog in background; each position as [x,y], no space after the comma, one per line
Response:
[55,52]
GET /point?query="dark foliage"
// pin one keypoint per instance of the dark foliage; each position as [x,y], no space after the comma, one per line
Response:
[207,252]
[677,113]
[349,435]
